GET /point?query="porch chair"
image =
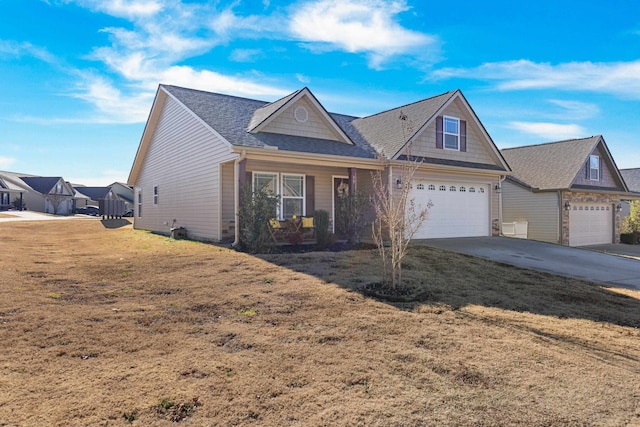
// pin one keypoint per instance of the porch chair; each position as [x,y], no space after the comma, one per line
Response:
[275,229]
[307,225]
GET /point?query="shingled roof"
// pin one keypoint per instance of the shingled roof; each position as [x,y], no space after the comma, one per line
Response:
[231,116]
[632,178]
[385,130]
[552,165]
[42,184]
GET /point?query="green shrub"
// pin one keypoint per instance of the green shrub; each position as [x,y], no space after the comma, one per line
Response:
[255,210]
[321,219]
[350,215]
[629,238]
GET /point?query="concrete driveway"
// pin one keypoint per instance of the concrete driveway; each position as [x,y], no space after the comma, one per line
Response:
[10,216]
[590,263]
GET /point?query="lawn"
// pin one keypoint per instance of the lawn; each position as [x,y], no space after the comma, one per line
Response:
[105,325]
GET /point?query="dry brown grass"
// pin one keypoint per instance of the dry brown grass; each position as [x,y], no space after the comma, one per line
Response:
[110,326]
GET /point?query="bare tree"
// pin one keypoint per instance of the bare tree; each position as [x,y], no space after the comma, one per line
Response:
[398,218]
[56,198]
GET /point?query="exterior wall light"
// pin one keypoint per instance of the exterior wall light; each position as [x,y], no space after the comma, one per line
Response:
[497,188]
[618,207]
[399,184]
[567,206]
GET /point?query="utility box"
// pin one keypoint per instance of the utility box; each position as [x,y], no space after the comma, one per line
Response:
[178,233]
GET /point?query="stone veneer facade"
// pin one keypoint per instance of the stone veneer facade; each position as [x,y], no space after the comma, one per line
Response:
[580,197]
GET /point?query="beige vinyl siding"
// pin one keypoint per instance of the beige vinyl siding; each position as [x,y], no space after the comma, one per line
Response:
[323,182]
[315,127]
[478,150]
[183,161]
[33,201]
[540,210]
[606,179]
[228,201]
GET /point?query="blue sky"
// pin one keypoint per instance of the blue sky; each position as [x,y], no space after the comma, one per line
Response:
[78,77]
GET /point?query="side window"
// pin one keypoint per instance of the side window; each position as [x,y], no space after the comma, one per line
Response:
[156,195]
[139,205]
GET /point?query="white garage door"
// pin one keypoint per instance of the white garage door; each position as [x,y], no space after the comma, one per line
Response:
[590,224]
[459,209]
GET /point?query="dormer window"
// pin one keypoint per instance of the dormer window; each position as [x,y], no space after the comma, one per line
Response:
[451,133]
[594,168]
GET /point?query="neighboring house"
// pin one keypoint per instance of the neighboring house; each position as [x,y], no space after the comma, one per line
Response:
[199,148]
[50,195]
[632,178]
[12,192]
[567,192]
[125,192]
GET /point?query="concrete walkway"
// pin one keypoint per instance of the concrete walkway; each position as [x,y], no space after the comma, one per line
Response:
[586,264]
[9,216]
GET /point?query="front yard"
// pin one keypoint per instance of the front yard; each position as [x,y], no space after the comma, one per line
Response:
[111,326]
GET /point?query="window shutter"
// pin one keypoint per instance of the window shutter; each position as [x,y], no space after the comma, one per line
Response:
[463,135]
[439,137]
[248,176]
[599,168]
[588,174]
[310,197]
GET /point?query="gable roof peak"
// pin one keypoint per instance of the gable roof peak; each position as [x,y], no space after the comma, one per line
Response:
[594,138]
[411,104]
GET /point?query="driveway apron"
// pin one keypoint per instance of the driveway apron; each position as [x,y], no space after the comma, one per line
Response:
[556,259]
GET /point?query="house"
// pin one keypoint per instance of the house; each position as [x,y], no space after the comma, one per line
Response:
[632,178]
[125,192]
[12,192]
[198,149]
[566,192]
[41,194]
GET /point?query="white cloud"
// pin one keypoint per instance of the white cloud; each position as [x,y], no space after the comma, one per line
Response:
[358,26]
[576,110]
[617,78]
[245,55]
[549,131]
[6,162]
[123,8]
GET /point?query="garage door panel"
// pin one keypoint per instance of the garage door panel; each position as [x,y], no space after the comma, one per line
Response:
[458,209]
[590,224]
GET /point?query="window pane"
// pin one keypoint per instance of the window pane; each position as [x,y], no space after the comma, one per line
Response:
[265,182]
[450,125]
[291,207]
[292,186]
[595,162]
[451,141]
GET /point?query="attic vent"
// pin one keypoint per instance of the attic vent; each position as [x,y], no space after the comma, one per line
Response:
[301,114]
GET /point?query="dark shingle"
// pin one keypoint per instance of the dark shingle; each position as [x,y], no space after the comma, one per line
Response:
[632,178]
[552,165]
[42,184]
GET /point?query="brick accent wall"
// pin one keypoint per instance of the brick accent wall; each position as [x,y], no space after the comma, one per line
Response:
[579,197]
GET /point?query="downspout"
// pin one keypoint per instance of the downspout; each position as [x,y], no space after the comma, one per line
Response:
[500,181]
[236,193]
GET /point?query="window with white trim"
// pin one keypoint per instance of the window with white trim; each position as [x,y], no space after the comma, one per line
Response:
[139,207]
[156,195]
[289,187]
[594,168]
[451,132]
[265,181]
[292,195]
